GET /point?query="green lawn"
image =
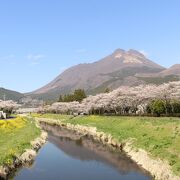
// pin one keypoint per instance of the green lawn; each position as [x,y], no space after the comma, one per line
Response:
[159,136]
[53,116]
[15,136]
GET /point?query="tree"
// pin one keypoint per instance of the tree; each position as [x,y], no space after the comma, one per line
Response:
[107,90]
[79,95]
[60,98]
[8,107]
[158,107]
[143,99]
[68,98]
[175,105]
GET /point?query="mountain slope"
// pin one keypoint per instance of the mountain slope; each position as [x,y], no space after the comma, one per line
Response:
[119,68]
[175,70]
[10,95]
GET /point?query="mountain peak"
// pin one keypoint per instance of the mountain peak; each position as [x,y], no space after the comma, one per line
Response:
[136,53]
[114,70]
[128,57]
[119,51]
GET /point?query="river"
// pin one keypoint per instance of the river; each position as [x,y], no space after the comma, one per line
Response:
[68,156]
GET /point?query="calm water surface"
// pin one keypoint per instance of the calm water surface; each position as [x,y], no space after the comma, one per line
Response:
[66,156]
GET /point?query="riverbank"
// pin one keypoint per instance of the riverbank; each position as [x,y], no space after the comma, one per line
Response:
[20,139]
[151,142]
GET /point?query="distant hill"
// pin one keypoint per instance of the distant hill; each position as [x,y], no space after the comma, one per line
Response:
[10,95]
[119,68]
[173,70]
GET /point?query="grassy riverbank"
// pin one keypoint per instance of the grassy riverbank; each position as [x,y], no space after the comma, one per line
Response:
[15,137]
[158,136]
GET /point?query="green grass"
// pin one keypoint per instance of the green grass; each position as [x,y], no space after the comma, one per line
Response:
[159,136]
[53,116]
[15,136]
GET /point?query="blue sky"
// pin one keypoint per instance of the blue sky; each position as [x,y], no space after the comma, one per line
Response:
[41,38]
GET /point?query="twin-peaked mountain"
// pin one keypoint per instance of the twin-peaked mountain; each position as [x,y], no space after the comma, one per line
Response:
[120,68]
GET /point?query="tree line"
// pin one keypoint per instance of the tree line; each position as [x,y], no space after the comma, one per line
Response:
[151,100]
[77,95]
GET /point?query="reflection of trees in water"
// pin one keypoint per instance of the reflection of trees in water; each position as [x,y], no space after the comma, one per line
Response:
[86,149]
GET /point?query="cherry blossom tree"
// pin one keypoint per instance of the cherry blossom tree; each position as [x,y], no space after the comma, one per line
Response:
[8,106]
[124,100]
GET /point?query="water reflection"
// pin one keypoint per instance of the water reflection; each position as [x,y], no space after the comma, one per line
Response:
[67,155]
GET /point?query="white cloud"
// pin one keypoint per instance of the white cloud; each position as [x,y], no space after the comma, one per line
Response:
[34,63]
[7,57]
[35,57]
[144,53]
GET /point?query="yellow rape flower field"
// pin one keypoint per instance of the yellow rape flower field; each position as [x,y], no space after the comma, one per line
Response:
[15,136]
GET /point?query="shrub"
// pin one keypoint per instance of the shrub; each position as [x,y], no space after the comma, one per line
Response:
[175,105]
[158,107]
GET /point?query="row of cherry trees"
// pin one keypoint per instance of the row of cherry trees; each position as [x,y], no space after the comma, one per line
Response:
[143,99]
